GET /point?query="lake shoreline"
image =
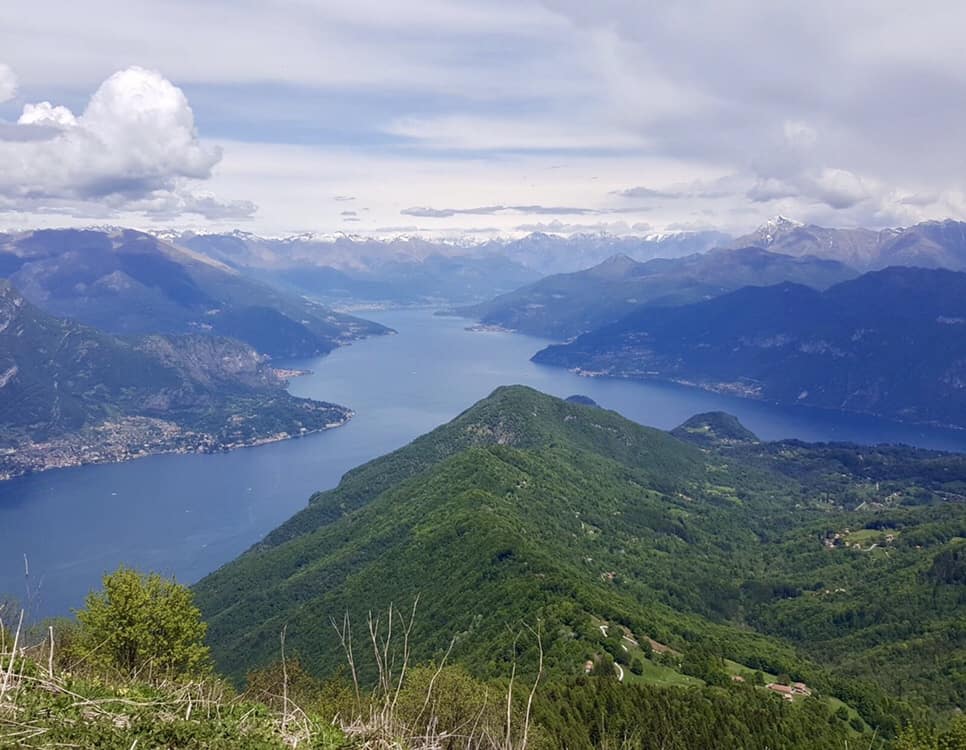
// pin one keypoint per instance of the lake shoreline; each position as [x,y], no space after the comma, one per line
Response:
[69,457]
[186,515]
[735,393]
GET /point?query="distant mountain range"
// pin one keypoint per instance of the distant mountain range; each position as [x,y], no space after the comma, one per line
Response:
[551,254]
[357,270]
[930,244]
[566,305]
[127,282]
[890,342]
[70,394]
[685,563]
[232,284]
[409,270]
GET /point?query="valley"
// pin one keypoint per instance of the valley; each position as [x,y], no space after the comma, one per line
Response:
[187,514]
[482,376]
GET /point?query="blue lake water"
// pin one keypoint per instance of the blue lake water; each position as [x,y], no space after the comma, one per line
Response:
[186,515]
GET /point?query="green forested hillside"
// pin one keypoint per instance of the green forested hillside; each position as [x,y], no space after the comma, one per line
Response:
[70,394]
[889,343]
[710,560]
[129,282]
[565,305]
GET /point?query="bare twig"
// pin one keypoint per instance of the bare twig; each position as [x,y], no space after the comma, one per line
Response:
[432,683]
[13,658]
[533,690]
[345,638]
[50,654]
[285,712]
[405,662]
[509,702]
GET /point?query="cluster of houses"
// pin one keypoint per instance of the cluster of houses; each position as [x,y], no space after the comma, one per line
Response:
[840,539]
[788,692]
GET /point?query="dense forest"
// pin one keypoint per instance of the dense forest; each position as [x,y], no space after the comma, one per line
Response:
[546,574]
[703,560]
[888,343]
[133,670]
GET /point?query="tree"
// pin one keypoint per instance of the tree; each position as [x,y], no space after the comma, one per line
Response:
[143,625]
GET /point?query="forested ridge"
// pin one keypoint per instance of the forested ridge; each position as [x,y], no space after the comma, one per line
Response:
[688,560]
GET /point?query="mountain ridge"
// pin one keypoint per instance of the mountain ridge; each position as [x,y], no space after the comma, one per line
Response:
[884,343]
[566,305]
[129,282]
[412,269]
[930,244]
[528,508]
[70,394]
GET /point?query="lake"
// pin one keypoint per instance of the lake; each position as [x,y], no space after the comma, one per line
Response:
[186,515]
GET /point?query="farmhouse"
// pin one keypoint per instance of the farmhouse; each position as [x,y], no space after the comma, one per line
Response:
[785,691]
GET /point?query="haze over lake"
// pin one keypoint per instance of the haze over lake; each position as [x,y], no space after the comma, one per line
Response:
[187,514]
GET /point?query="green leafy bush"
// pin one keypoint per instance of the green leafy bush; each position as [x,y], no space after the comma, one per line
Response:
[143,625]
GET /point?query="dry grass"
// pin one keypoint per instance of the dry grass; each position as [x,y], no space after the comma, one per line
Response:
[38,702]
[41,703]
[377,723]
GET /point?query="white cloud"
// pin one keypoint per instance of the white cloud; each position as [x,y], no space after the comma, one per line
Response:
[491,133]
[293,187]
[133,147]
[830,112]
[46,114]
[413,46]
[8,83]
[838,188]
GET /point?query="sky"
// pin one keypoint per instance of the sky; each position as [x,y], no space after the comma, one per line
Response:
[470,119]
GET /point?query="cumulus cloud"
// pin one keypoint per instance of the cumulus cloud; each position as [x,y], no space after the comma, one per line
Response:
[134,147]
[8,83]
[841,113]
[46,114]
[791,167]
[858,102]
[837,188]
